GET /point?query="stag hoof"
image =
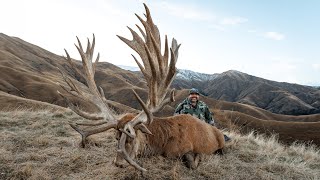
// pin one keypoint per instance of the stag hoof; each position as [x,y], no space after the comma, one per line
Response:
[226,138]
[219,152]
[191,160]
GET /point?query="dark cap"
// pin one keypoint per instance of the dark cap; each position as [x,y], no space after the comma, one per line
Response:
[194,91]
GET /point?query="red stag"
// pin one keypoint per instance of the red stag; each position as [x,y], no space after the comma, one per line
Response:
[142,133]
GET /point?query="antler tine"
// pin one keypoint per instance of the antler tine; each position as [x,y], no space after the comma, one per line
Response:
[86,133]
[142,32]
[141,68]
[175,47]
[69,82]
[171,70]
[151,45]
[116,104]
[68,58]
[88,66]
[79,112]
[154,29]
[166,53]
[154,40]
[166,101]
[95,63]
[137,44]
[91,52]
[122,151]
[144,107]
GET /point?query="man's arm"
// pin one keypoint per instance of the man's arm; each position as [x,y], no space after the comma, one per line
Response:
[178,109]
[208,116]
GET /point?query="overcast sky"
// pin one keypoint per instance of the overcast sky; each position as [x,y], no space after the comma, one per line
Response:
[273,39]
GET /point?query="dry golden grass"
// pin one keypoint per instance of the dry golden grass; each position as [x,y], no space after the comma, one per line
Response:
[41,145]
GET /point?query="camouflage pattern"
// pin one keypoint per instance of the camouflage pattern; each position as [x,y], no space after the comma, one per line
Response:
[200,111]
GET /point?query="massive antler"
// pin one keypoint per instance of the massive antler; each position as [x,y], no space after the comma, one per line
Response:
[158,71]
[105,116]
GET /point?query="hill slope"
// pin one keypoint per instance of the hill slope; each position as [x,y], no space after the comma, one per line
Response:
[31,72]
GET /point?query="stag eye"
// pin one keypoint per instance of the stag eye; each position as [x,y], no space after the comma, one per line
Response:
[118,135]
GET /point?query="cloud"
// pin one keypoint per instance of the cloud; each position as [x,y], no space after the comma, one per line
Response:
[274,35]
[217,27]
[233,20]
[195,13]
[186,12]
[316,66]
[252,31]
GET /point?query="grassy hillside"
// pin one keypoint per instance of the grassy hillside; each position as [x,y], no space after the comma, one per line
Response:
[41,145]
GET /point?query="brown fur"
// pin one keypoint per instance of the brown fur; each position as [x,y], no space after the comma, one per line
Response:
[176,136]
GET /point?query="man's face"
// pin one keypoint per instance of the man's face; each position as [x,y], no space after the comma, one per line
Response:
[194,97]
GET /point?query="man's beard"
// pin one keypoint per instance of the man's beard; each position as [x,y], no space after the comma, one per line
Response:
[193,100]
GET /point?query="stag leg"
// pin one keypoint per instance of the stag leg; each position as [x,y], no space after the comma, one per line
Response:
[191,160]
[197,159]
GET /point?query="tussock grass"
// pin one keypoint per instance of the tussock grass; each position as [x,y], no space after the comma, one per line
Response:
[41,145]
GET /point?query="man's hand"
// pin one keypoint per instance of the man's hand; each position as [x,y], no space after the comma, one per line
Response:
[212,123]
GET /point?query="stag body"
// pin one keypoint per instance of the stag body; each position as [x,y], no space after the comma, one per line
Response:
[176,136]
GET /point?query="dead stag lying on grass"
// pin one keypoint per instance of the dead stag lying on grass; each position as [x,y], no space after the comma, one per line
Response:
[175,136]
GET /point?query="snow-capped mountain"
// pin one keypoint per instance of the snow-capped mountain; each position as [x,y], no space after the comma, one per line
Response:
[182,74]
[191,75]
[130,68]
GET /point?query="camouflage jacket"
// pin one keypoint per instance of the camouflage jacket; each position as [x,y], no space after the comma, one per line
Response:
[200,111]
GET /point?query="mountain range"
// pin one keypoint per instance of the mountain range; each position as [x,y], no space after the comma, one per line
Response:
[236,86]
